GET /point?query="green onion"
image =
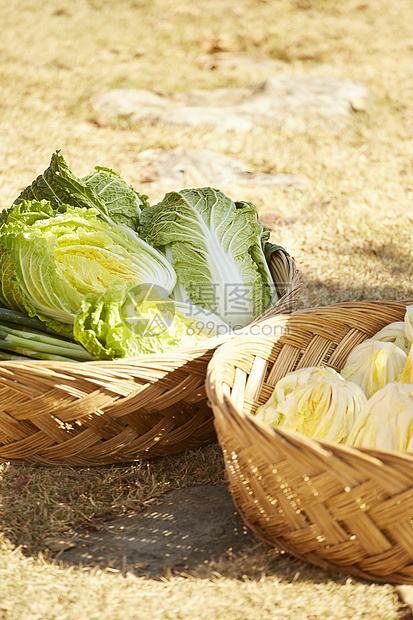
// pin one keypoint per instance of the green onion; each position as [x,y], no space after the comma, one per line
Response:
[42,338]
[30,353]
[42,347]
[19,318]
[25,337]
[4,355]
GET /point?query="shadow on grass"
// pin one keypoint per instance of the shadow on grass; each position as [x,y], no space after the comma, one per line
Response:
[189,531]
[194,532]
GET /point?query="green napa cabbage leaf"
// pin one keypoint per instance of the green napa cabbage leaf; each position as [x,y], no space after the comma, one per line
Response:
[123,203]
[51,258]
[217,248]
[59,185]
[128,320]
[10,295]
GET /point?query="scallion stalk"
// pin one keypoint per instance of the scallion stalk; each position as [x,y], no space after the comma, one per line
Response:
[26,336]
[5,355]
[31,354]
[44,347]
[42,337]
[32,322]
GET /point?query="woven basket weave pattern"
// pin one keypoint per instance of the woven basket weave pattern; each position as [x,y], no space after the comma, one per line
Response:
[341,508]
[96,413]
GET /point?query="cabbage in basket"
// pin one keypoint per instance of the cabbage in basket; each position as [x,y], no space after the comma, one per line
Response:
[386,421]
[373,364]
[315,401]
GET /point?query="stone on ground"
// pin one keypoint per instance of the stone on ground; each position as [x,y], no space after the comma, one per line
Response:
[176,169]
[292,100]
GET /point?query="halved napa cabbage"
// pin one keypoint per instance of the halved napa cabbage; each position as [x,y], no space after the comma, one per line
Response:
[315,401]
[50,258]
[386,420]
[372,364]
[219,250]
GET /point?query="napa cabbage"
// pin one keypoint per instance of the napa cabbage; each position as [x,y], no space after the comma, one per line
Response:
[218,250]
[395,333]
[123,203]
[315,401]
[386,420]
[371,364]
[408,320]
[51,257]
[117,204]
[407,372]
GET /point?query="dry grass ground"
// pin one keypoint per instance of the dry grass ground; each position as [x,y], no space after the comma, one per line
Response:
[351,235]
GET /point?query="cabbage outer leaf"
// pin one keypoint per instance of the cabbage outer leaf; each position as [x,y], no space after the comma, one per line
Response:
[217,249]
[122,201]
[129,320]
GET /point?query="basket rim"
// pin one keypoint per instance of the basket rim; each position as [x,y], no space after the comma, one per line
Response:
[223,405]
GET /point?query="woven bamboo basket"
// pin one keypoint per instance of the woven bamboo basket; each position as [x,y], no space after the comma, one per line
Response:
[97,413]
[341,508]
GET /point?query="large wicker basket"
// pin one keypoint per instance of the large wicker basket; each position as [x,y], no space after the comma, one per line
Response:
[95,413]
[341,508]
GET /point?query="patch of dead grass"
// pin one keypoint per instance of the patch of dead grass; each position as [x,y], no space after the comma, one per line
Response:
[351,234]
[36,588]
[40,502]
